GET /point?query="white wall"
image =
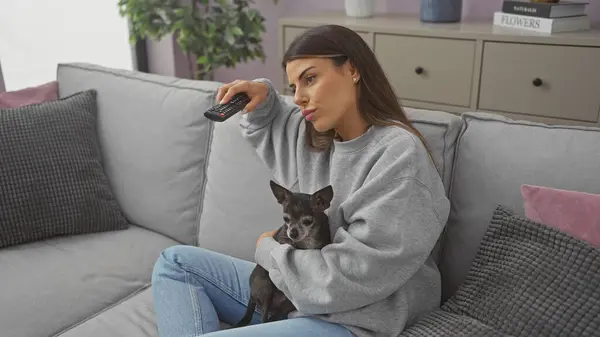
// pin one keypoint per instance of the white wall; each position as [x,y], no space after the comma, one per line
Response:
[36,35]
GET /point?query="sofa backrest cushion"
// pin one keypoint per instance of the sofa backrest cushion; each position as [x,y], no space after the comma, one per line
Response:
[440,130]
[154,139]
[495,156]
[238,204]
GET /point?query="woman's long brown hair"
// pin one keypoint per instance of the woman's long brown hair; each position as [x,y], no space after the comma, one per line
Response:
[377,101]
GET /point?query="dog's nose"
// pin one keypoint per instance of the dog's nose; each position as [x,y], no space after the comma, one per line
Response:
[293,233]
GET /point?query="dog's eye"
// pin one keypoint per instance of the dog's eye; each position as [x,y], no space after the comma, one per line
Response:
[307,222]
[286,218]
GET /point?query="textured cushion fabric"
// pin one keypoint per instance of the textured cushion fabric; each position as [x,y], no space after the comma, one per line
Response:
[33,95]
[494,157]
[440,130]
[441,323]
[49,286]
[238,204]
[573,212]
[53,182]
[527,279]
[155,140]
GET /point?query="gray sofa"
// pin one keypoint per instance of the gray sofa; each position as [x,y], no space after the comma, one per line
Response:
[180,180]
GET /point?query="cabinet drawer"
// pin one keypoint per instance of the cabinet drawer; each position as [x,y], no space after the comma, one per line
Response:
[435,70]
[541,80]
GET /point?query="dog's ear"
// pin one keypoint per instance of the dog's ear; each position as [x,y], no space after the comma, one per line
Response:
[280,192]
[321,199]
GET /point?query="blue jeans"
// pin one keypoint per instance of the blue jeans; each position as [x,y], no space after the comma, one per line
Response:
[195,288]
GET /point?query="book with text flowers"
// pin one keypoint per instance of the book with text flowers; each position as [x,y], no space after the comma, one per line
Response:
[542,25]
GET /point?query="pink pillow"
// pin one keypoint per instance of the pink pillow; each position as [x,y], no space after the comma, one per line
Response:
[28,96]
[574,213]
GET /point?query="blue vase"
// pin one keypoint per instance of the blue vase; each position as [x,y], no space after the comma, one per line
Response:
[441,10]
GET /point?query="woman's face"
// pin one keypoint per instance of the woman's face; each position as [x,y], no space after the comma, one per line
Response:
[325,93]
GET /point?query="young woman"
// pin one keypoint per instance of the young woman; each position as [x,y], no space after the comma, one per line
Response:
[346,129]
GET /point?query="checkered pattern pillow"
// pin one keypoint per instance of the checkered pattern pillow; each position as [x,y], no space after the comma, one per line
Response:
[527,280]
[52,181]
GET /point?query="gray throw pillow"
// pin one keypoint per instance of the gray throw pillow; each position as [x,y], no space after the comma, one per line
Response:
[52,182]
[527,279]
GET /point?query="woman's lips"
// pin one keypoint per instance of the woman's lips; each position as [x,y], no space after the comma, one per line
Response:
[308,114]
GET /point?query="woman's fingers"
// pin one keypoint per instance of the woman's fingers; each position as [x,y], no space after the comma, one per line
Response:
[224,88]
[255,90]
[221,92]
[241,86]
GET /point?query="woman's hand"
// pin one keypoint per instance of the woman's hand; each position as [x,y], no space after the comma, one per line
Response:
[257,92]
[265,235]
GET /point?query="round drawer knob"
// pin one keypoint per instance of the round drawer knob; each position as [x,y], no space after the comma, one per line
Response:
[537,82]
[419,70]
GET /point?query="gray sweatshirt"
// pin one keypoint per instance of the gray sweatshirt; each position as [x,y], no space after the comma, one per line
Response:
[388,210]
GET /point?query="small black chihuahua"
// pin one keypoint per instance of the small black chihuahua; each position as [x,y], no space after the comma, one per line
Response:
[306,226]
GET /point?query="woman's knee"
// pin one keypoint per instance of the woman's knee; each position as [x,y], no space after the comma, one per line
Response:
[171,261]
[182,254]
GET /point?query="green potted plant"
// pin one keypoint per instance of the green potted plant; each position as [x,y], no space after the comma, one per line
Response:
[211,33]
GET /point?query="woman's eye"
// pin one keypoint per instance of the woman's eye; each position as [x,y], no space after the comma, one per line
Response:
[309,79]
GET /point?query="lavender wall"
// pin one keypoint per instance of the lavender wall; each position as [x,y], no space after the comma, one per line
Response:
[472,9]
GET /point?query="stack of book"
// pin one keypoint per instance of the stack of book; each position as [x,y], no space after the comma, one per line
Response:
[543,17]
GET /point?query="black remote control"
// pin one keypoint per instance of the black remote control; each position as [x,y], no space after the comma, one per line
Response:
[221,112]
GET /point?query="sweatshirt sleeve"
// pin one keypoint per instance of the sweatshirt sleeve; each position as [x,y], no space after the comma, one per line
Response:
[393,225]
[273,129]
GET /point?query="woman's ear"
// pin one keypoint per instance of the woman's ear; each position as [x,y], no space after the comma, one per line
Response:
[353,72]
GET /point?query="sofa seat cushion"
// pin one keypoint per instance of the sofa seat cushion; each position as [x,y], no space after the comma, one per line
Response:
[495,156]
[132,317]
[49,286]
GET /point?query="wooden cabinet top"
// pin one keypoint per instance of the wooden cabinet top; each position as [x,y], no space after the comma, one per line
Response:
[407,24]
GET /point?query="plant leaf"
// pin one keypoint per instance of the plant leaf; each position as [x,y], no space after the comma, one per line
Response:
[202,60]
[237,31]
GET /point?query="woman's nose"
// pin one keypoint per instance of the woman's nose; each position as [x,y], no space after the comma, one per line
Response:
[299,98]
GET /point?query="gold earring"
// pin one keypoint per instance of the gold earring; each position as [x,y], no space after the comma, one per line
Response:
[355,79]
